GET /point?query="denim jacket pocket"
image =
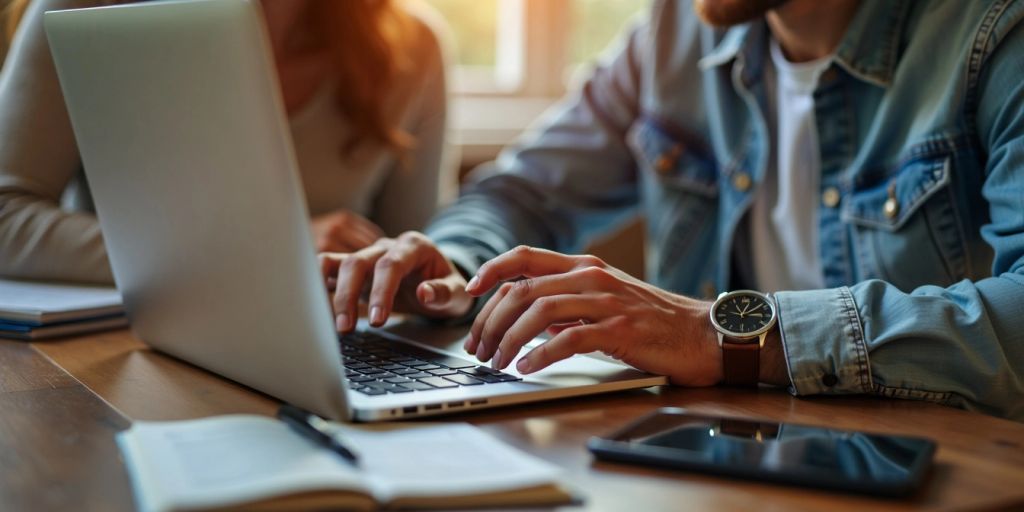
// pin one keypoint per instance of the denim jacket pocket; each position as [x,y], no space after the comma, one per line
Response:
[675,161]
[905,230]
[678,178]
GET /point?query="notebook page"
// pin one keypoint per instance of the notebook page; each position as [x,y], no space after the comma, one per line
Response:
[446,460]
[26,300]
[224,460]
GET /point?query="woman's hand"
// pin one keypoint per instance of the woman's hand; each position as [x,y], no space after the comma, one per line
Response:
[343,231]
[406,274]
[589,306]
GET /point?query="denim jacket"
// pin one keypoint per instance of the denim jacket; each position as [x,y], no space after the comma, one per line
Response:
[920,124]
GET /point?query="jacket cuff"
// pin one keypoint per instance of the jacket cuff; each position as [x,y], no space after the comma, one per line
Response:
[823,340]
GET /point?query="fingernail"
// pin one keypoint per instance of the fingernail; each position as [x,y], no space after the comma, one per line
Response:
[523,366]
[468,343]
[472,284]
[428,294]
[480,351]
[342,322]
[496,360]
[376,315]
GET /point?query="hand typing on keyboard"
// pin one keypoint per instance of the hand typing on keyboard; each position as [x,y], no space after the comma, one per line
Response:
[407,274]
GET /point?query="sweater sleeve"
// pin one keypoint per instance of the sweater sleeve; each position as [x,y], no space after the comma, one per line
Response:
[38,159]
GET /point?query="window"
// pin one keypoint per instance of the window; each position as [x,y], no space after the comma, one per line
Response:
[529,47]
[514,58]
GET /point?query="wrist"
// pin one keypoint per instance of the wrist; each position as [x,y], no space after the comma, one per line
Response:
[773,369]
[713,351]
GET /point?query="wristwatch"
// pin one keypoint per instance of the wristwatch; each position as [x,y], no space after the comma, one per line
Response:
[742,319]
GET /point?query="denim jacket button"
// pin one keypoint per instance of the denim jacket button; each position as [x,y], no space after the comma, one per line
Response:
[891,208]
[741,181]
[830,380]
[663,164]
[830,197]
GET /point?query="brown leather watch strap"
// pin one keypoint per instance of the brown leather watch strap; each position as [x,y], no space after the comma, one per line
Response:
[741,362]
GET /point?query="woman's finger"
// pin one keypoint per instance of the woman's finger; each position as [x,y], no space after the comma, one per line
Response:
[353,271]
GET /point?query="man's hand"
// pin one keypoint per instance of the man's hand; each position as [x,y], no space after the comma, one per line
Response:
[589,307]
[407,274]
[343,231]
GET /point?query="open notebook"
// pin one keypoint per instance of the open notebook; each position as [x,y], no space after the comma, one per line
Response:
[259,463]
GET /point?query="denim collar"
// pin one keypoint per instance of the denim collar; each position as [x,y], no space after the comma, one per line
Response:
[870,50]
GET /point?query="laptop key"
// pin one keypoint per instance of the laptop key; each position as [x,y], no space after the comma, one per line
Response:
[452,362]
[418,375]
[418,386]
[371,391]
[438,382]
[398,380]
[507,378]
[362,378]
[399,389]
[464,379]
[405,371]
[489,379]
[441,372]
[475,372]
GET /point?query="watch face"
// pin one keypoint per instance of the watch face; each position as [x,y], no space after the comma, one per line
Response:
[743,313]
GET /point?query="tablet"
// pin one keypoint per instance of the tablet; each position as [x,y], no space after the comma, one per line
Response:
[876,464]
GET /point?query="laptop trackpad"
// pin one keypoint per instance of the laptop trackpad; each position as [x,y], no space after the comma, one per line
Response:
[578,370]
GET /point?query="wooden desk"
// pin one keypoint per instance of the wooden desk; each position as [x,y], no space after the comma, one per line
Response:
[62,401]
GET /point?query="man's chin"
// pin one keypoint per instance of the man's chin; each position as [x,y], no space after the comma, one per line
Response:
[726,13]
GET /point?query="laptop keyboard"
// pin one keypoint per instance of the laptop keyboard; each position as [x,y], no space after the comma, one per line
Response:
[375,365]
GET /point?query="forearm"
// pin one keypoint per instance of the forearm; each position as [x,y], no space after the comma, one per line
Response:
[40,241]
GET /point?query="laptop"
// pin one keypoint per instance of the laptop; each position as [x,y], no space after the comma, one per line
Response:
[185,143]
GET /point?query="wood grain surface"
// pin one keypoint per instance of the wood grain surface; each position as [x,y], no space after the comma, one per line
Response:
[979,464]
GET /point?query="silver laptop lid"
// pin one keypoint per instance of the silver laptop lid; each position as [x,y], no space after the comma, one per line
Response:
[182,132]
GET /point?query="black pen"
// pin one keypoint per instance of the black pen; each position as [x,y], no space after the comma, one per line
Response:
[316,429]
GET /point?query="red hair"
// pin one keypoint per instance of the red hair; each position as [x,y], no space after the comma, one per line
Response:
[368,41]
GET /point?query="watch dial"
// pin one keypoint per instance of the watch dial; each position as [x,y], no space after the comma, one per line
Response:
[743,313]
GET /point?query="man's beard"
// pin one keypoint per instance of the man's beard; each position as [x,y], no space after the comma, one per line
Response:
[725,13]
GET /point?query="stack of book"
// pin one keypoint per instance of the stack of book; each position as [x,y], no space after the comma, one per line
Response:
[33,310]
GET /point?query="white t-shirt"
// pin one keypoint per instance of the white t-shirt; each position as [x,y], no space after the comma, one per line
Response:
[784,214]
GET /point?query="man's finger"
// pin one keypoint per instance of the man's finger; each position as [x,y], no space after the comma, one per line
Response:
[524,292]
[524,261]
[546,311]
[583,339]
[473,345]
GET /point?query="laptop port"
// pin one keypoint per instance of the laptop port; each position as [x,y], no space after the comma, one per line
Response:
[409,410]
[455,404]
[477,402]
[432,407]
